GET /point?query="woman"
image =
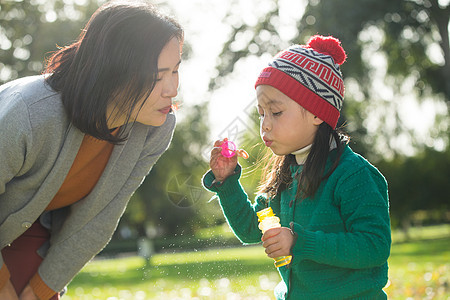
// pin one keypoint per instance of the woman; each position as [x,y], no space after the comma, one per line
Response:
[76,142]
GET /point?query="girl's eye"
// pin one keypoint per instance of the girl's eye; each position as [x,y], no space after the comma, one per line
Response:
[276,114]
[260,112]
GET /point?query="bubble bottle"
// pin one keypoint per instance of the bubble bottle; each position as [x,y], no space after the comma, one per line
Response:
[268,220]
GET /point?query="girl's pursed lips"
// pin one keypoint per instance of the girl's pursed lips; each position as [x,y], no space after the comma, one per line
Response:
[267,141]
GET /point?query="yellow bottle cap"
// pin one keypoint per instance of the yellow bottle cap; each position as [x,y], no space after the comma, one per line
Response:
[264,213]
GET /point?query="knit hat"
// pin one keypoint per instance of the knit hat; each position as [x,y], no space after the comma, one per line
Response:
[310,75]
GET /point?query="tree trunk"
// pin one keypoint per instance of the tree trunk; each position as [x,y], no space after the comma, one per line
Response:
[442,15]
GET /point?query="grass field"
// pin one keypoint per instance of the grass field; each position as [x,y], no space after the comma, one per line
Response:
[418,269]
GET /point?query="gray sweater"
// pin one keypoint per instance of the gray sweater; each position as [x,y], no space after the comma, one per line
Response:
[38,145]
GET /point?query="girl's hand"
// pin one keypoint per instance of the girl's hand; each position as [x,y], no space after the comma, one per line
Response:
[28,294]
[278,242]
[221,166]
[8,292]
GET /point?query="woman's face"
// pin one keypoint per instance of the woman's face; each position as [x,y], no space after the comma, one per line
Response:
[158,104]
[285,125]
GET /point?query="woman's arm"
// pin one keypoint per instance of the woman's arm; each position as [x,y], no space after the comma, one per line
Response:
[68,253]
[15,134]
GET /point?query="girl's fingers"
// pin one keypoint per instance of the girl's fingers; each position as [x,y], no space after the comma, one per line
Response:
[271,233]
[277,253]
[218,143]
[267,242]
[275,248]
[273,251]
[216,150]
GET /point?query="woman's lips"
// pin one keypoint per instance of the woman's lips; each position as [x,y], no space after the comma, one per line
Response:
[165,110]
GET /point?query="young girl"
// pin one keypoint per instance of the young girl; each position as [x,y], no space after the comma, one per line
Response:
[333,204]
[76,142]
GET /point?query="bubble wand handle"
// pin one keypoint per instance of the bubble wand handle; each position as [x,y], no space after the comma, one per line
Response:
[229,149]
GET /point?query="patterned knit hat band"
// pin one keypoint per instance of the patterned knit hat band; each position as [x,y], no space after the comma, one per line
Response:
[310,76]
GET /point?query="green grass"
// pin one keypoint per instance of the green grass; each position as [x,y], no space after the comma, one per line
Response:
[418,269]
[210,274]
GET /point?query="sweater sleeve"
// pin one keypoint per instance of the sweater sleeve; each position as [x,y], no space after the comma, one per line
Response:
[239,212]
[40,289]
[15,136]
[363,202]
[4,276]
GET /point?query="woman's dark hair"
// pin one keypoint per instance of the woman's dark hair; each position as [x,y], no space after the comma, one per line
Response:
[113,63]
[276,175]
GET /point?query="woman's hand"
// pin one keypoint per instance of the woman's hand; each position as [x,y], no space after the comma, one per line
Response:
[28,294]
[8,292]
[221,166]
[278,242]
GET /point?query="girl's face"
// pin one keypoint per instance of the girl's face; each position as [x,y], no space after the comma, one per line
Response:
[285,125]
[156,106]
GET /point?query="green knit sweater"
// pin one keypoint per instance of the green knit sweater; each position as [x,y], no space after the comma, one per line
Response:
[343,234]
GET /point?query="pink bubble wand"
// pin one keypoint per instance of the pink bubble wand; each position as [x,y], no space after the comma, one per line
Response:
[229,149]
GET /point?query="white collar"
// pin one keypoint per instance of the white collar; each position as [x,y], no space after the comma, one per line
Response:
[302,154]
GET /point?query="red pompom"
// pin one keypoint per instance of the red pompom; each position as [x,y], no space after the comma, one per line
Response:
[328,45]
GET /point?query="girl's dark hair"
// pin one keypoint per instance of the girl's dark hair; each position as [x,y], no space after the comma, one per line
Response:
[276,175]
[113,63]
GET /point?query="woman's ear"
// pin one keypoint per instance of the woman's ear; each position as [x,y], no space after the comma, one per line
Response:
[317,121]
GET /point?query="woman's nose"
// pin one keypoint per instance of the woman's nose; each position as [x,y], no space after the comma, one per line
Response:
[171,87]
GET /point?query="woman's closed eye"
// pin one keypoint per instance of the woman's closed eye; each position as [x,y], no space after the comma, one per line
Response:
[160,77]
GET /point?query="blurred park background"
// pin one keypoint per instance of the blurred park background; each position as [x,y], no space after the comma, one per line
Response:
[173,242]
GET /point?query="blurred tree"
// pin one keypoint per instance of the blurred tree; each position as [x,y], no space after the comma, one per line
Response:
[409,28]
[409,37]
[419,183]
[31,29]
